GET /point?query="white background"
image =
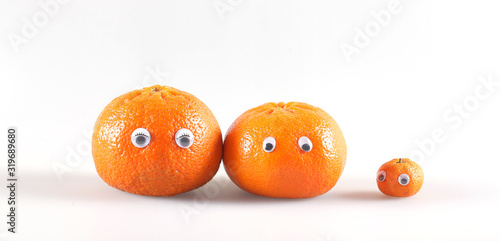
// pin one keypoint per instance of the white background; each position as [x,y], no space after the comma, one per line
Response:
[402,85]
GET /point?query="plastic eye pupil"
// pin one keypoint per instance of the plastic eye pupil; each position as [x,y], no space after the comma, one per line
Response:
[185,141]
[306,147]
[404,181]
[269,147]
[140,140]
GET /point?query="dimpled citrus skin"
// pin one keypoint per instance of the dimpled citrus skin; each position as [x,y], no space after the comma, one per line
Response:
[390,186]
[162,168]
[287,171]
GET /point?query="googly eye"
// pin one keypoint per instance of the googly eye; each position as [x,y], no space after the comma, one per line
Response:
[184,138]
[381,176]
[404,179]
[140,137]
[305,144]
[269,144]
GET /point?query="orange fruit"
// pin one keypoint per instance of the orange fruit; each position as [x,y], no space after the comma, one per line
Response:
[292,150]
[156,141]
[400,177]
